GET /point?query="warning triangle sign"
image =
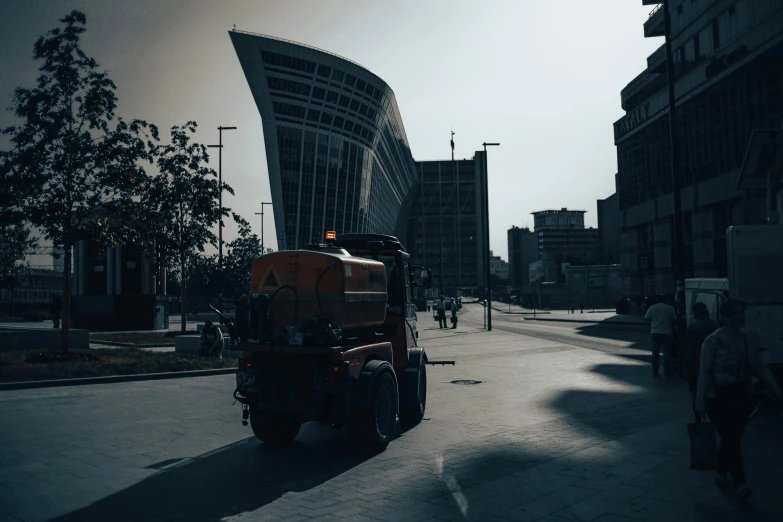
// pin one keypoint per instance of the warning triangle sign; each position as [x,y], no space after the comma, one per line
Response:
[270,282]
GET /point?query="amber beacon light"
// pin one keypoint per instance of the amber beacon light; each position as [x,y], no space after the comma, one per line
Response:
[331,235]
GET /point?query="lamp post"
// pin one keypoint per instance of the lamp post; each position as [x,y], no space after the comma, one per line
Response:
[262,225]
[220,182]
[679,247]
[486,234]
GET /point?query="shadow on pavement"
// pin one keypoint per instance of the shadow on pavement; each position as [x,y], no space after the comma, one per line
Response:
[238,478]
[638,338]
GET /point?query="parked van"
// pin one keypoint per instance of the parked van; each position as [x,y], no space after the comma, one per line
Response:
[710,291]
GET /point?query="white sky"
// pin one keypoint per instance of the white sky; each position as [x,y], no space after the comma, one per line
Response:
[542,77]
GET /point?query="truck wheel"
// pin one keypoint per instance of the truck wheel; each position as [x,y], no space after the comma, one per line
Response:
[274,428]
[374,426]
[413,400]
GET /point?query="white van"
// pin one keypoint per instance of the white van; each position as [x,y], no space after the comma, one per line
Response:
[710,291]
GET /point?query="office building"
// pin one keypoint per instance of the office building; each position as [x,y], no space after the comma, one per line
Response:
[449,197]
[609,230]
[728,76]
[563,238]
[498,266]
[337,154]
[522,250]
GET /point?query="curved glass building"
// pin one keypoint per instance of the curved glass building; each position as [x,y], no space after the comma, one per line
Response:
[336,149]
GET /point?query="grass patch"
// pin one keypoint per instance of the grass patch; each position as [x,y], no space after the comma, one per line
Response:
[157,338]
[34,365]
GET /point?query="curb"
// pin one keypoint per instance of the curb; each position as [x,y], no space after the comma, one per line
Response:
[612,323]
[132,345]
[25,385]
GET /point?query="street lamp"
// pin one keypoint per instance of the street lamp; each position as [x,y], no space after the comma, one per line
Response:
[262,225]
[220,182]
[486,234]
[679,240]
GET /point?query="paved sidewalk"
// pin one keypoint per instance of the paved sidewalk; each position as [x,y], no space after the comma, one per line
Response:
[554,432]
[589,316]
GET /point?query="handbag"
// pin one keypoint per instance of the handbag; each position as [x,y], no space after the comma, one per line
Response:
[704,446]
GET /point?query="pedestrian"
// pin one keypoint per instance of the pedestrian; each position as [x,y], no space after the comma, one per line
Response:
[211,342]
[662,318]
[729,358]
[695,334]
[571,307]
[453,314]
[55,308]
[441,312]
[581,307]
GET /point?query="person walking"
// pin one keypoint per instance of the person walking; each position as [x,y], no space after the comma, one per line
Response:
[695,335]
[55,309]
[581,307]
[441,312]
[453,314]
[729,357]
[662,318]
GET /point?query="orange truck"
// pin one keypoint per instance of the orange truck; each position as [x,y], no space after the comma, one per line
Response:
[328,333]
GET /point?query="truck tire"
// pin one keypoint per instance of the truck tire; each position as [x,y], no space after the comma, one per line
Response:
[274,428]
[373,427]
[413,389]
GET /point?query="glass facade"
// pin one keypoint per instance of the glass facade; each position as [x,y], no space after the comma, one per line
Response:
[337,153]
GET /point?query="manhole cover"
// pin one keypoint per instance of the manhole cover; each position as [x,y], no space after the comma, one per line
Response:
[464,381]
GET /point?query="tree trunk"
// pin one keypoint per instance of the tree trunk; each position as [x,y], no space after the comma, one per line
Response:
[66,309]
[183,297]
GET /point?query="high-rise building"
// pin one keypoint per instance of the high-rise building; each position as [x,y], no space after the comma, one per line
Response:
[728,76]
[563,238]
[449,197]
[336,149]
[522,250]
[609,230]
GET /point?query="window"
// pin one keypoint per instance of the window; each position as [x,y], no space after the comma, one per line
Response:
[319,93]
[332,96]
[705,41]
[350,80]
[338,75]
[324,71]
[313,115]
[354,105]
[326,118]
[715,35]
[344,101]
[360,85]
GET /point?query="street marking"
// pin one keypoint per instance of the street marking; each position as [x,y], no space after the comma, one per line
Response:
[454,487]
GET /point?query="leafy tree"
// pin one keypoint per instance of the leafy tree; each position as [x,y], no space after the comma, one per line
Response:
[73,161]
[239,260]
[14,235]
[184,200]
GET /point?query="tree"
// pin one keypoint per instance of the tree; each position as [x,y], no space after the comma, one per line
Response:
[73,161]
[184,199]
[14,235]
[239,260]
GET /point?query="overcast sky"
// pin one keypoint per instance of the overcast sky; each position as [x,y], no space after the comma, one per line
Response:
[541,77]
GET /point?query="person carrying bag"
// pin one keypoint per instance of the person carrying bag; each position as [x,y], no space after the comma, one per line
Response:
[729,357]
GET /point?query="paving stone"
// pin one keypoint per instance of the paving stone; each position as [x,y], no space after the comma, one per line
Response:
[565,442]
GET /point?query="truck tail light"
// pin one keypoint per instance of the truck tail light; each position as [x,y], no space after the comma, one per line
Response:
[244,364]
